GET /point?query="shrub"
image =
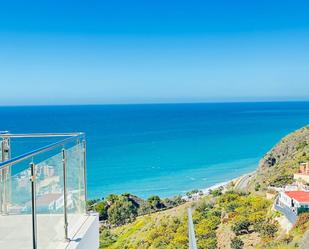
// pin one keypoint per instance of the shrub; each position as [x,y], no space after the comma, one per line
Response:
[232,206]
[107,238]
[301,145]
[282,180]
[173,202]
[303,221]
[268,230]
[237,243]
[210,243]
[257,187]
[216,192]
[288,239]
[241,227]
[277,214]
[228,197]
[204,207]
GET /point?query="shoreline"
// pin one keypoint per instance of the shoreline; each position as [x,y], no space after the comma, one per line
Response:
[206,191]
[200,191]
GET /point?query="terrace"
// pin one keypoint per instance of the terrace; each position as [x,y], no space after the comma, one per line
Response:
[43,192]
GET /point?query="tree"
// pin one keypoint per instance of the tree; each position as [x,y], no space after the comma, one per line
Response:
[145,208]
[90,203]
[121,212]
[112,198]
[173,202]
[237,243]
[155,202]
[101,207]
[193,192]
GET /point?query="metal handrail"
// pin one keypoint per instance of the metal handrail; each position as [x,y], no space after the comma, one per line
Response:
[191,233]
[49,147]
[24,135]
[6,166]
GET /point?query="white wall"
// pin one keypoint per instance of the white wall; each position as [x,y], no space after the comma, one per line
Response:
[284,199]
[88,236]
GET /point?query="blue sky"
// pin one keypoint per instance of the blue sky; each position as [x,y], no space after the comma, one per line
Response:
[90,52]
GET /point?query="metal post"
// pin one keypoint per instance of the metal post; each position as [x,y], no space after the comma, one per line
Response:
[65,201]
[1,178]
[79,158]
[33,204]
[2,150]
[85,170]
[8,175]
[5,190]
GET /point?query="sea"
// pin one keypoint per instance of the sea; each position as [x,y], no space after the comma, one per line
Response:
[164,149]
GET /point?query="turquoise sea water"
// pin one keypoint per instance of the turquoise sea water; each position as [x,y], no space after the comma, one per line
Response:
[165,149]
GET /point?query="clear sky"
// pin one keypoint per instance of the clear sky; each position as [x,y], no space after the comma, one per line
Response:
[76,52]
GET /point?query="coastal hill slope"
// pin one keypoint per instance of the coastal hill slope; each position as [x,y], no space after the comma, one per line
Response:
[226,218]
[277,167]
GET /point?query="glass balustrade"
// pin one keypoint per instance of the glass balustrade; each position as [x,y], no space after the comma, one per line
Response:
[42,192]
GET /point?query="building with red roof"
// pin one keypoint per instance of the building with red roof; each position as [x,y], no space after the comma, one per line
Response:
[297,201]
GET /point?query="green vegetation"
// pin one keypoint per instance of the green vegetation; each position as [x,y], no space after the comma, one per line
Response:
[155,202]
[295,238]
[223,219]
[121,211]
[281,162]
[241,227]
[166,230]
[116,210]
[249,215]
[244,217]
[216,192]
[206,218]
[237,243]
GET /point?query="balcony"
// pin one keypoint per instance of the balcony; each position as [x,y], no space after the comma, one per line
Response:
[43,192]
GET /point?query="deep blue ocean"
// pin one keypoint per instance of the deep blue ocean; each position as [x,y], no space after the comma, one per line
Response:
[165,149]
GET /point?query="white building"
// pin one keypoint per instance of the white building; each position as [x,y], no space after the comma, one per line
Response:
[297,201]
[303,173]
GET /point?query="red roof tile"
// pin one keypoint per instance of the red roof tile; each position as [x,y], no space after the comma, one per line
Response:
[300,196]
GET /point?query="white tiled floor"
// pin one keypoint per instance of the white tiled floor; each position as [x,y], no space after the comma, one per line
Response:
[16,231]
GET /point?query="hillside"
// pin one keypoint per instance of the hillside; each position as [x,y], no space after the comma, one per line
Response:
[277,167]
[168,229]
[230,219]
[165,229]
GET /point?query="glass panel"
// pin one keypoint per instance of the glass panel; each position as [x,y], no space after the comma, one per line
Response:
[16,218]
[15,198]
[49,202]
[75,187]
[1,150]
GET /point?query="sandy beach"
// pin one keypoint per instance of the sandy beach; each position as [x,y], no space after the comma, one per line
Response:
[238,182]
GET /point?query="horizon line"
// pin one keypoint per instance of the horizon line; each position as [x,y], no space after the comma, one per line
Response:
[163,103]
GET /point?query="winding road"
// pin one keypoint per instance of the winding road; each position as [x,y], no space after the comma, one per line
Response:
[242,184]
